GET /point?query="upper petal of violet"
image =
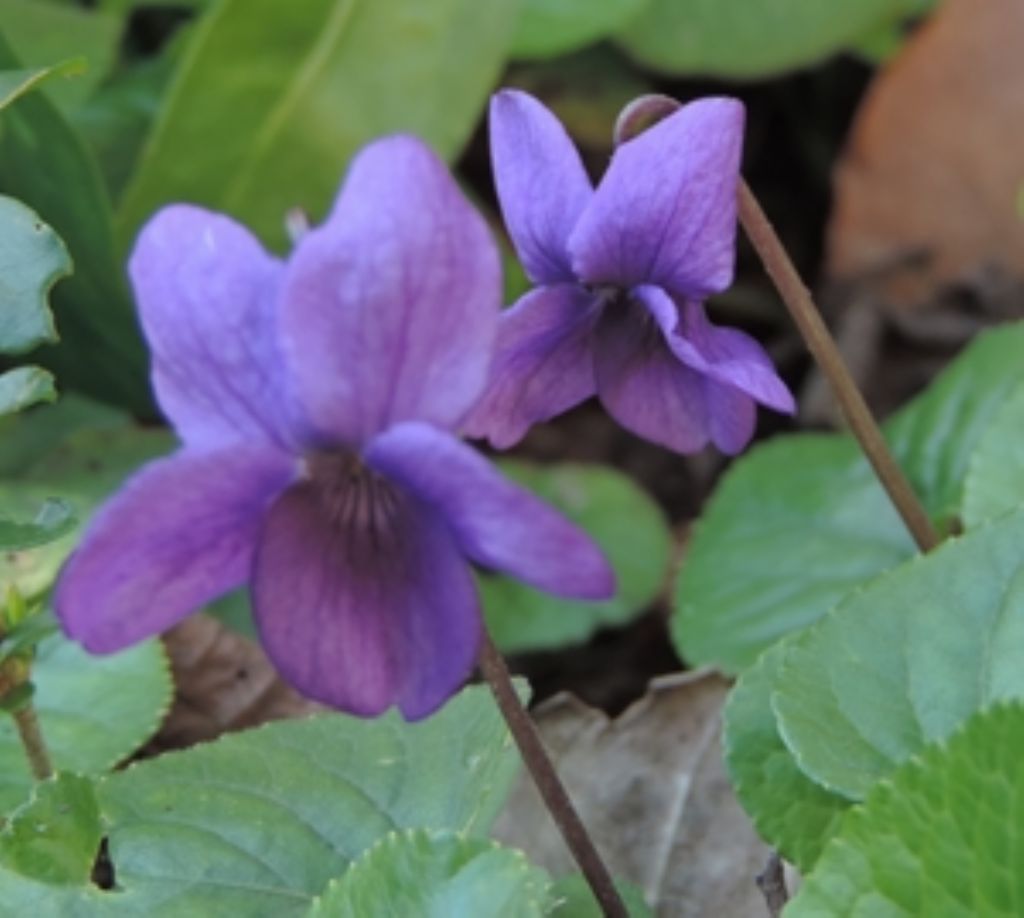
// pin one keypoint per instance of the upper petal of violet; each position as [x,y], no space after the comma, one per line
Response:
[181,532]
[541,183]
[665,211]
[207,296]
[496,523]
[390,309]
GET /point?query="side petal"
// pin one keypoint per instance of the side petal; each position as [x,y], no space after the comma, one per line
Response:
[181,532]
[362,614]
[207,296]
[665,211]
[496,523]
[725,355]
[541,183]
[543,365]
[391,307]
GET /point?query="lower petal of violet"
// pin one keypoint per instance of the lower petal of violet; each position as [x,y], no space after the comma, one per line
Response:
[543,365]
[181,532]
[362,598]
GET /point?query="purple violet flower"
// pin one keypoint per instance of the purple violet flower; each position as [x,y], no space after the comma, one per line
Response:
[622,274]
[315,398]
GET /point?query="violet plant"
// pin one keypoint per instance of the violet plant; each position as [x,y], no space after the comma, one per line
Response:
[874,731]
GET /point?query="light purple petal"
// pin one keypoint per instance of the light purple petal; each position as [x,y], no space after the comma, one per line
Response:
[207,294]
[497,523]
[543,366]
[665,211]
[390,308]
[542,185]
[181,532]
[726,355]
[367,609]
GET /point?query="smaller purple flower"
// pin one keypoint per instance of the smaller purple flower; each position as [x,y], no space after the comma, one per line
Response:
[314,398]
[622,274]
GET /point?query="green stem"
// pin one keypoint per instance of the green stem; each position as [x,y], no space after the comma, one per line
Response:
[27,722]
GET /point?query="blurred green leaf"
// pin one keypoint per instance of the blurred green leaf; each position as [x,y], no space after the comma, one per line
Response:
[267,107]
[93,711]
[736,38]
[627,524]
[15,83]
[995,474]
[800,521]
[945,836]
[790,812]
[54,519]
[548,28]
[44,163]
[433,874]
[41,33]
[25,386]
[32,259]
[571,897]
[907,660]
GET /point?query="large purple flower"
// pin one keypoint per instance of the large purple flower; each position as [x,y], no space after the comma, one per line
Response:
[313,398]
[622,274]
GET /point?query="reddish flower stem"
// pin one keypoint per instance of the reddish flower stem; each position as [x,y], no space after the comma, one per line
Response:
[552,791]
[824,350]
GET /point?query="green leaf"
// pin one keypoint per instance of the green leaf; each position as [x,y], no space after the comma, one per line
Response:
[571,897]
[436,875]
[54,519]
[548,28]
[93,711]
[15,83]
[598,499]
[41,33]
[776,550]
[44,162]
[942,837]
[790,812]
[25,386]
[32,260]
[54,837]
[316,88]
[736,38]
[995,473]
[907,660]
[259,822]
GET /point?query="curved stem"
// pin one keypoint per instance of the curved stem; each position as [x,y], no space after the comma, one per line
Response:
[823,347]
[552,791]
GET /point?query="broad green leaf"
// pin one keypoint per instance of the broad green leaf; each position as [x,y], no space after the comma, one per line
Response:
[93,711]
[800,521]
[25,386]
[54,519]
[315,88]
[907,660]
[44,163]
[548,28]
[41,33]
[571,897]
[32,260]
[942,837]
[436,875]
[15,83]
[54,837]
[599,500]
[790,812]
[995,474]
[736,38]
[260,822]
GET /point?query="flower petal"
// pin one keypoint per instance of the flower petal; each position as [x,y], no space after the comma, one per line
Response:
[541,183]
[543,365]
[363,614]
[180,533]
[207,296]
[665,211]
[496,523]
[726,355]
[391,307]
